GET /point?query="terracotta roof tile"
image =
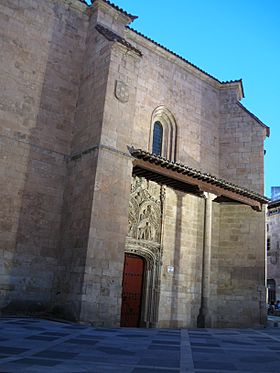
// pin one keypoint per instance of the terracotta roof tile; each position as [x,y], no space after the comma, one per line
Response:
[112,36]
[196,174]
[120,10]
[273,204]
[239,81]
[188,62]
[113,6]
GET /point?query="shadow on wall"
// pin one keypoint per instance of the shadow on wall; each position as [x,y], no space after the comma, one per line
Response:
[175,301]
[48,109]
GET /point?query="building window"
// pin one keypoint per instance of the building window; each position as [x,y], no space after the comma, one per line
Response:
[268,244]
[163,134]
[157,138]
[271,290]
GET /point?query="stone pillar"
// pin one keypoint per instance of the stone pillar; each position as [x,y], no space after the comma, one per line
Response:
[204,319]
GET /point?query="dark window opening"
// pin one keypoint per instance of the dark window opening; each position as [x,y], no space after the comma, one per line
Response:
[268,244]
[271,290]
[157,138]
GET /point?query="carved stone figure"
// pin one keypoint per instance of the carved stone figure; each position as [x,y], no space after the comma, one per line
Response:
[144,220]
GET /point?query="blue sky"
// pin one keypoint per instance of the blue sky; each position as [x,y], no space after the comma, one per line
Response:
[230,40]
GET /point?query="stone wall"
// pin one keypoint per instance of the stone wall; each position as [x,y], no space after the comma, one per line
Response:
[82,166]
[241,267]
[194,101]
[67,171]
[182,244]
[241,154]
[215,134]
[41,48]
[101,290]
[102,287]
[273,261]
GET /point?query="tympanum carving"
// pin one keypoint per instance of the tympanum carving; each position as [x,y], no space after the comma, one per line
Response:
[144,221]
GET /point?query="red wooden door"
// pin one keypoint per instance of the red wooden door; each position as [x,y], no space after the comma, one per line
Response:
[132,290]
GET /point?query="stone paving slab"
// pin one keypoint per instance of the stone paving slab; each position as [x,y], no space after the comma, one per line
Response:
[30,345]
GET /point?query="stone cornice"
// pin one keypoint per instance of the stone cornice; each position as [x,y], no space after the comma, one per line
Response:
[234,84]
[112,36]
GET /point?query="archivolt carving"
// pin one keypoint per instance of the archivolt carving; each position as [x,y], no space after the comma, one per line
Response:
[144,220]
[144,234]
[150,251]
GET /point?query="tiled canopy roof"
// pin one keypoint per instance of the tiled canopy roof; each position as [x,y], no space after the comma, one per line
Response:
[112,36]
[196,176]
[273,204]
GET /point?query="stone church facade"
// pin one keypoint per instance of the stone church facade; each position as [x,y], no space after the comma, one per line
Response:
[132,180]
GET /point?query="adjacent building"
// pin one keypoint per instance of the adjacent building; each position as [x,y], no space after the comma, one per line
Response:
[131,180]
[273,245]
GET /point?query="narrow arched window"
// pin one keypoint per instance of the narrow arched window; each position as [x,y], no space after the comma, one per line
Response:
[163,134]
[157,138]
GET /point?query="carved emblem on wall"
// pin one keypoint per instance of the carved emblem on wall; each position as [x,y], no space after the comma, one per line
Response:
[121,91]
[144,221]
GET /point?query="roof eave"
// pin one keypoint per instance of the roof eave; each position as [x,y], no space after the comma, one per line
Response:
[274,204]
[253,116]
[129,16]
[204,181]
[237,84]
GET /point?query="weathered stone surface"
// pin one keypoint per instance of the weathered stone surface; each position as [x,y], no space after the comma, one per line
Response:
[71,103]
[273,247]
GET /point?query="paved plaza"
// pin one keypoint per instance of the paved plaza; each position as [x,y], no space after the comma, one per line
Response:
[35,345]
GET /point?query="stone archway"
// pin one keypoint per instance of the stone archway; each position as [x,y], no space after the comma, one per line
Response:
[144,239]
[151,280]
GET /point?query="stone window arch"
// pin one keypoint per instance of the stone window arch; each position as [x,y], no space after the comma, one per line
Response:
[157,138]
[163,133]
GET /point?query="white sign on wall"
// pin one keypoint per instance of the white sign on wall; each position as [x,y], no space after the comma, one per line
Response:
[170,269]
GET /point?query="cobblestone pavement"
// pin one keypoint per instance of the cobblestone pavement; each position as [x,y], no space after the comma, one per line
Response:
[34,345]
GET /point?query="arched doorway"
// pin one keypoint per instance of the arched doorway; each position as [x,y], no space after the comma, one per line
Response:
[132,294]
[144,243]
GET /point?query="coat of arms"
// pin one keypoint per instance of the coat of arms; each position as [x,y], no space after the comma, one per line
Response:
[121,91]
